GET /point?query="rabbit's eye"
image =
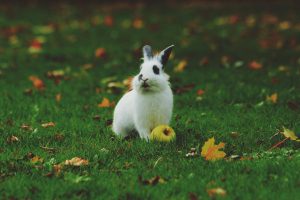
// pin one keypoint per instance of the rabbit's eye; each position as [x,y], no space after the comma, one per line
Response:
[155,69]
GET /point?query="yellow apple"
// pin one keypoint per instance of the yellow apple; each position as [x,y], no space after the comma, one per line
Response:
[163,133]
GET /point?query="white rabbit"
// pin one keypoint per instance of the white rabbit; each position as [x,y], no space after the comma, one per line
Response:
[150,102]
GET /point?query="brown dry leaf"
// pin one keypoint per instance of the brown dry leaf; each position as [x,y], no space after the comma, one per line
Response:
[26,127]
[76,161]
[152,181]
[254,65]
[48,124]
[216,192]
[106,103]
[36,159]
[12,139]
[273,98]
[181,66]
[58,97]
[57,169]
[37,83]
[210,151]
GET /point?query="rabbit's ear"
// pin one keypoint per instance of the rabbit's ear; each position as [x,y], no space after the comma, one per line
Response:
[147,52]
[164,54]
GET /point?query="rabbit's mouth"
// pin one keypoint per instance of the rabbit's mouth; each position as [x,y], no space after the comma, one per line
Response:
[145,85]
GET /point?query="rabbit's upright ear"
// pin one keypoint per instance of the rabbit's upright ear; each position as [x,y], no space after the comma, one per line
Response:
[147,52]
[164,54]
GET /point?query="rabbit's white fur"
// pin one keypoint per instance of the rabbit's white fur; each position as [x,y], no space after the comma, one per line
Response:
[150,103]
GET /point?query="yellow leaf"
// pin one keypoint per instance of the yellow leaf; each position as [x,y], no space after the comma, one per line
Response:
[210,151]
[216,192]
[273,98]
[36,159]
[106,103]
[290,134]
[76,161]
[48,124]
[58,97]
[181,66]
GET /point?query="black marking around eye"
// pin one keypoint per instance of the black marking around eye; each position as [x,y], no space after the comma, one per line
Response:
[155,69]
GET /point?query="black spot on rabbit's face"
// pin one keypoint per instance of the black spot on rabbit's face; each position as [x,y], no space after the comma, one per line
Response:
[155,69]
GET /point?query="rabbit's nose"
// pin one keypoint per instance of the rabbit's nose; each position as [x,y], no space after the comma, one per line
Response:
[140,77]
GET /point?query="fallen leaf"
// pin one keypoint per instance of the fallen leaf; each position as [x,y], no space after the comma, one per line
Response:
[152,181]
[36,159]
[108,20]
[210,151]
[254,65]
[57,169]
[216,192]
[290,134]
[26,127]
[12,139]
[200,92]
[273,98]
[48,124]
[138,23]
[106,103]
[76,161]
[181,66]
[37,83]
[100,53]
[36,45]
[58,97]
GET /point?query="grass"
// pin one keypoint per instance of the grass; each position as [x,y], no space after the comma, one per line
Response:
[234,101]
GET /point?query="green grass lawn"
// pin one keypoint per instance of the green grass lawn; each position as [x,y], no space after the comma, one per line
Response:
[218,44]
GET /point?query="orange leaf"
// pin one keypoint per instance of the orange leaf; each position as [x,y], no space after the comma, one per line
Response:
[200,92]
[100,53]
[273,98]
[36,159]
[216,192]
[210,151]
[48,124]
[37,83]
[181,66]
[108,20]
[76,161]
[106,103]
[254,65]
[138,23]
